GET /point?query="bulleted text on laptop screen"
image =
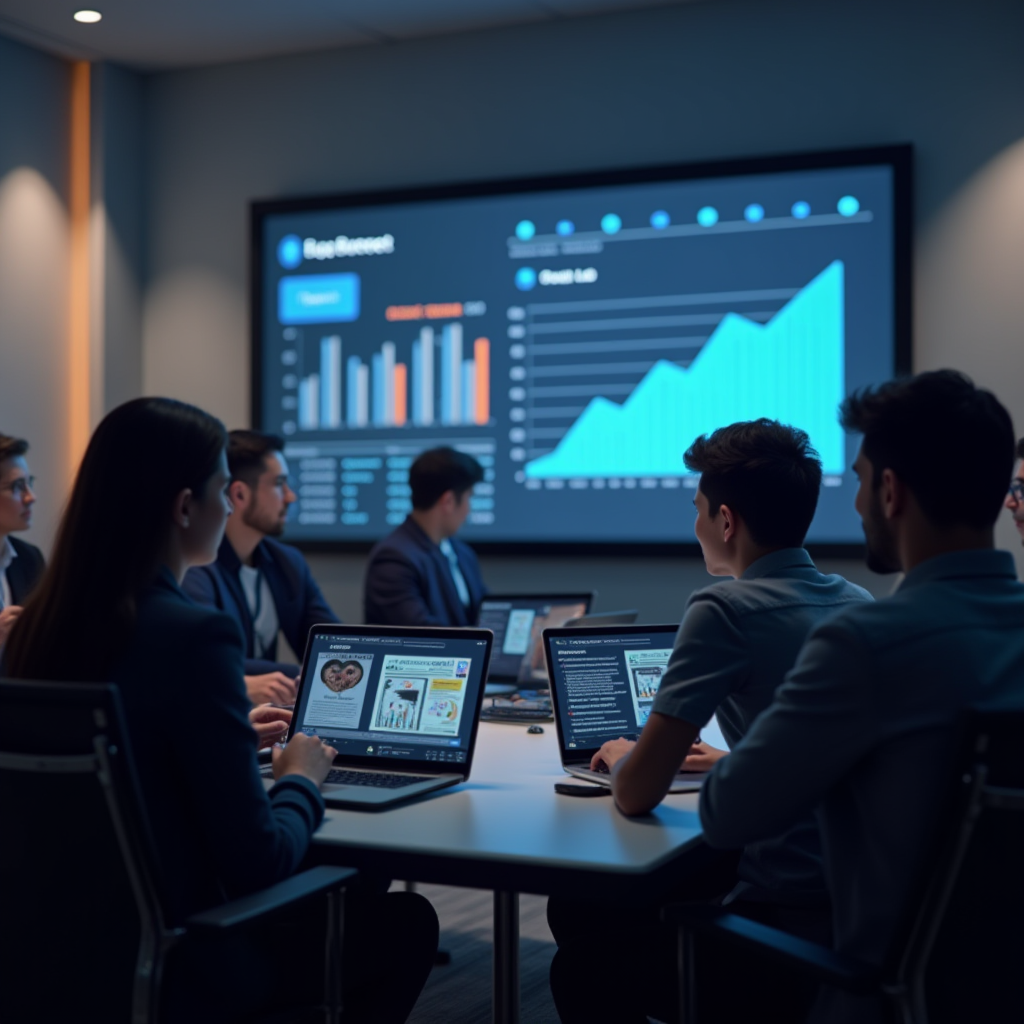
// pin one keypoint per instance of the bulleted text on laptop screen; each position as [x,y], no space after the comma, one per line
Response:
[606,685]
[392,697]
[517,624]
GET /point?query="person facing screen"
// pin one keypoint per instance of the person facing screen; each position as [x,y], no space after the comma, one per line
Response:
[110,605]
[421,575]
[756,497]
[264,585]
[21,563]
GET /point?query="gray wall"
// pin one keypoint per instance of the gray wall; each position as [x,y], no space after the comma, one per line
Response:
[34,234]
[731,78]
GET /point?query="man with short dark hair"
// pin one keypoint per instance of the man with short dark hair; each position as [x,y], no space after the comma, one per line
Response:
[756,497]
[864,730]
[21,563]
[1015,496]
[266,586]
[420,575]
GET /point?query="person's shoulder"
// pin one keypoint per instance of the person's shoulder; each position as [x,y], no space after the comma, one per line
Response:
[25,550]
[401,542]
[285,553]
[167,612]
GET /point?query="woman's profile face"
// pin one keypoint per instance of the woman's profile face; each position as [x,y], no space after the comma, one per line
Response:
[209,515]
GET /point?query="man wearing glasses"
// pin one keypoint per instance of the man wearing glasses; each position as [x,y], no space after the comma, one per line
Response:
[1015,499]
[21,564]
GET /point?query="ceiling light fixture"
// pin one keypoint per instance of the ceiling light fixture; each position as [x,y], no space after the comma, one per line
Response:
[88,17]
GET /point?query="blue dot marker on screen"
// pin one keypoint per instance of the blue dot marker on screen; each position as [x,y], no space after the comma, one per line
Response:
[754,213]
[565,228]
[525,230]
[848,206]
[800,210]
[660,220]
[526,278]
[289,252]
[611,223]
[707,216]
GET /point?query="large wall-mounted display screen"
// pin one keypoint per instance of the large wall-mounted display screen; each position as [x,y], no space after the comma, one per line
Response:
[575,335]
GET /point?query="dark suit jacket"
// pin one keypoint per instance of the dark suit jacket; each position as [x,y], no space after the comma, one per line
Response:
[409,582]
[297,598]
[217,832]
[24,572]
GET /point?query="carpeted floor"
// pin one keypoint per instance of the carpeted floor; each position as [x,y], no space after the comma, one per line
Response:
[460,992]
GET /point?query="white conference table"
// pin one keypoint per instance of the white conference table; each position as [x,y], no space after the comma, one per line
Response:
[507,830]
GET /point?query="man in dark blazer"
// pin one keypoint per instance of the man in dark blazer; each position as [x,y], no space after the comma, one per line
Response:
[21,563]
[264,585]
[420,575]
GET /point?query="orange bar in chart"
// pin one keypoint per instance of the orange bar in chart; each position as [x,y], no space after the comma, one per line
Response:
[482,359]
[401,393]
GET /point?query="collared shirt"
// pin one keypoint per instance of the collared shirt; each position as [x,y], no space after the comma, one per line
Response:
[7,555]
[864,730]
[735,645]
[453,564]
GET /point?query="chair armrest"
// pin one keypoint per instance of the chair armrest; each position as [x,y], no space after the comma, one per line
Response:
[828,966]
[259,905]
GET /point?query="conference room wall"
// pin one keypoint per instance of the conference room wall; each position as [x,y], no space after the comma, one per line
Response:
[731,78]
[34,236]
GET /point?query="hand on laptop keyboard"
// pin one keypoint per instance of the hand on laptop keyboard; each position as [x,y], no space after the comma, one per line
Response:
[305,755]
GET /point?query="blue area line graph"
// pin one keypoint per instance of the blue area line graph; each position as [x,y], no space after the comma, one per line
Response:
[789,369]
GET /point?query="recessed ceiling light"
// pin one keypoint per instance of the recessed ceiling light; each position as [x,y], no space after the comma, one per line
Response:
[88,17]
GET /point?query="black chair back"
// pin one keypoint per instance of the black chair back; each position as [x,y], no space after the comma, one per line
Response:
[77,885]
[964,955]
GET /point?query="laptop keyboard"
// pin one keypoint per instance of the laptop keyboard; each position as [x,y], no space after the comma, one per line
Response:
[382,780]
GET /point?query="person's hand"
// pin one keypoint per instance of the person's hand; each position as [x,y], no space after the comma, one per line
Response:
[272,688]
[702,757]
[611,753]
[8,617]
[304,755]
[270,723]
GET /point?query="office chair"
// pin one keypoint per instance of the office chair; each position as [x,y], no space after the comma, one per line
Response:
[83,935]
[958,953]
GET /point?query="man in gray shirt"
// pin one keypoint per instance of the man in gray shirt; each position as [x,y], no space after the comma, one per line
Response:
[863,731]
[757,495]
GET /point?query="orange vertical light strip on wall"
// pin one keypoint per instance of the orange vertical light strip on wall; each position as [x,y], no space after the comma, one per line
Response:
[78,280]
[401,393]
[482,358]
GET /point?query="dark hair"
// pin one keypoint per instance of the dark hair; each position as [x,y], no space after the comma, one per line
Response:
[247,454]
[438,470]
[12,447]
[1020,448]
[766,472]
[112,537]
[950,442]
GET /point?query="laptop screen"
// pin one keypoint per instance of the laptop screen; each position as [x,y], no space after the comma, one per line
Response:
[517,623]
[603,682]
[413,696]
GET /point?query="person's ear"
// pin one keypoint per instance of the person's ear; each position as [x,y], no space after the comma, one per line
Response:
[892,494]
[239,493]
[728,522]
[183,508]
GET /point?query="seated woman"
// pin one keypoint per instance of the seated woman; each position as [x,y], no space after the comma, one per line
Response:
[149,502]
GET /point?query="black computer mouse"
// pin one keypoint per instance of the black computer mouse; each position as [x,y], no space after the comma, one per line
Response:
[535,729]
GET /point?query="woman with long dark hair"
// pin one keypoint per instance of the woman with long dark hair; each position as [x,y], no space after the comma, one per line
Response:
[150,501]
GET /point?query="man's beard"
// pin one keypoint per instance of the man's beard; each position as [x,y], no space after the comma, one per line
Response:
[269,526]
[881,556]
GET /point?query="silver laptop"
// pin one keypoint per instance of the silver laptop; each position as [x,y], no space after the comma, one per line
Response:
[517,621]
[401,706]
[603,683]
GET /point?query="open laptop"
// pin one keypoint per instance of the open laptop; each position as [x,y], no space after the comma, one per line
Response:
[626,617]
[603,683]
[400,705]
[517,621]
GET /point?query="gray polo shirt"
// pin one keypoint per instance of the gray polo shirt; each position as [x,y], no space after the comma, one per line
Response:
[735,645]
[863,731]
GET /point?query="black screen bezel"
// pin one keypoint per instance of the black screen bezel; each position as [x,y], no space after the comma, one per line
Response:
[581,633]
[410,632]
[899,157]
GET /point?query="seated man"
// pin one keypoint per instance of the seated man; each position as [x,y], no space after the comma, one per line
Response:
[21,564]
[864,729]
[1015,496]
[264,585]
[757,495]
[419,575]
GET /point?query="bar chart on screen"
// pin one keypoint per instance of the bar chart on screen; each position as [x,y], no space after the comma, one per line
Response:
[439,377]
